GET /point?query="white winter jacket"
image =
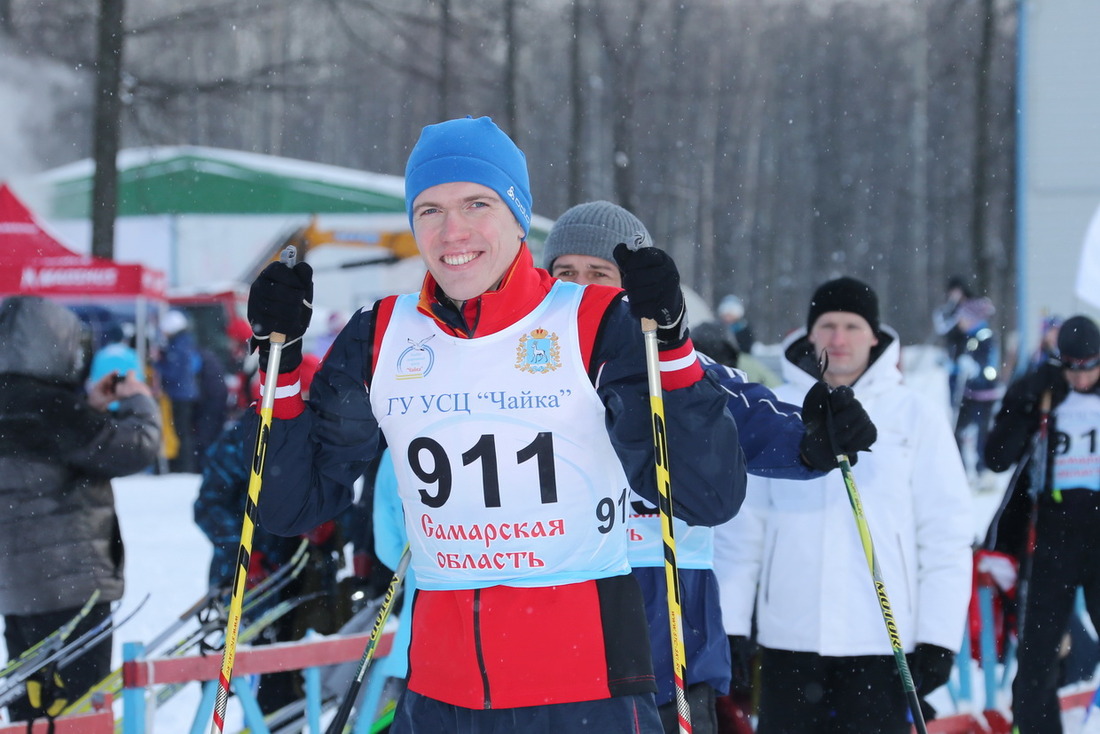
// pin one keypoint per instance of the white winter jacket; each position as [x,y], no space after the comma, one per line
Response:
[795,549]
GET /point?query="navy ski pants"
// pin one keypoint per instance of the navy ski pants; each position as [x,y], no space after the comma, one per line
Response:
[636,714]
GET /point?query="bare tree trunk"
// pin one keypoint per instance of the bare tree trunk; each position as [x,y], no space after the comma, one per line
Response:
[984,254]
[106,128]
[709,134]
[5,17]
[511,64]
[622,161]
[444,59]
[623,49]
[918,141]
[577,108]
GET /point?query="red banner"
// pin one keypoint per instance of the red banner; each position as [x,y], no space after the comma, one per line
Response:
[81,276]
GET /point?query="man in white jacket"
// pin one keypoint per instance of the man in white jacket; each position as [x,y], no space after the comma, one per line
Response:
[826,663]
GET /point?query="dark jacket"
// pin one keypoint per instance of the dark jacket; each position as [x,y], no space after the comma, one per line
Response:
[1013,440]
[59,535]
[213,403]
[978,364]
[330,445]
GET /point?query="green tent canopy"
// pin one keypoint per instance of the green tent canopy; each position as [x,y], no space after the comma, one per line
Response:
[200,180]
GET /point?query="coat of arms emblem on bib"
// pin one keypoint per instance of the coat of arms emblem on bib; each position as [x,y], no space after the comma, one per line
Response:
[538,352]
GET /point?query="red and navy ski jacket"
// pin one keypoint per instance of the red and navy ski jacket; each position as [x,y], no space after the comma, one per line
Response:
[501,646]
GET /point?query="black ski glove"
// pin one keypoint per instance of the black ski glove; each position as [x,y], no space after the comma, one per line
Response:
[931,667]
[1024,398]
[1047,377]
[652,285]
[281,299]
[848,431]
[742,650]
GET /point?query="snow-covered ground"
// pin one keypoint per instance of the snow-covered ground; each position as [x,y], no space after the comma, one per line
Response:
[167,558]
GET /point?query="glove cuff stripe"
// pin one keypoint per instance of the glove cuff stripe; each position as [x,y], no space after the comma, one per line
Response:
[285,391]
[680,367]
[288,395]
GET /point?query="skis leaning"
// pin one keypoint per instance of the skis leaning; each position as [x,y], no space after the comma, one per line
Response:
[249,632]
[51,642]
[67,653]
[213,597]
[211,605]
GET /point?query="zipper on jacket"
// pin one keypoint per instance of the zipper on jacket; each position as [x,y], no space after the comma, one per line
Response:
[488,701]
[767,571]
[462,318]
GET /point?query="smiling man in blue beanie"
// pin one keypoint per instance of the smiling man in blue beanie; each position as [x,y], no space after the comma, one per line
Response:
[517,414]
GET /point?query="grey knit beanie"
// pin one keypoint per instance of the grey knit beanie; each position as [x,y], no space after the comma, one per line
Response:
[593,228]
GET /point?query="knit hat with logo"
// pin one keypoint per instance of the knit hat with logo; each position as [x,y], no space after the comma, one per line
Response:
[470,150]
[593,228]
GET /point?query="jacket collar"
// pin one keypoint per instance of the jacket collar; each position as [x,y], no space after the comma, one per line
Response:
[799,365]
[522,288]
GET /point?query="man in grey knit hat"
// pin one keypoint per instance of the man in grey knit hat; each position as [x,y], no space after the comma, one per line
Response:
[772,437]
[580,246]
[580,249]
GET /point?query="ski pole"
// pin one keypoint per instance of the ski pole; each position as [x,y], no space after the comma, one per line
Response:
[336,726]
[664,491]
[880,592]
[1037,477]
[255,480]
[872,564]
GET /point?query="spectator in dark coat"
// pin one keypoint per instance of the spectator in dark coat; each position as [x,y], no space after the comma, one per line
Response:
[59,534]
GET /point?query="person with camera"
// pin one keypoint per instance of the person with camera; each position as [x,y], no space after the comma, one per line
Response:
[59,448]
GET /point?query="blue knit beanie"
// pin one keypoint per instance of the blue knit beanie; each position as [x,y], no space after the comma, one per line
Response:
[472,150]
